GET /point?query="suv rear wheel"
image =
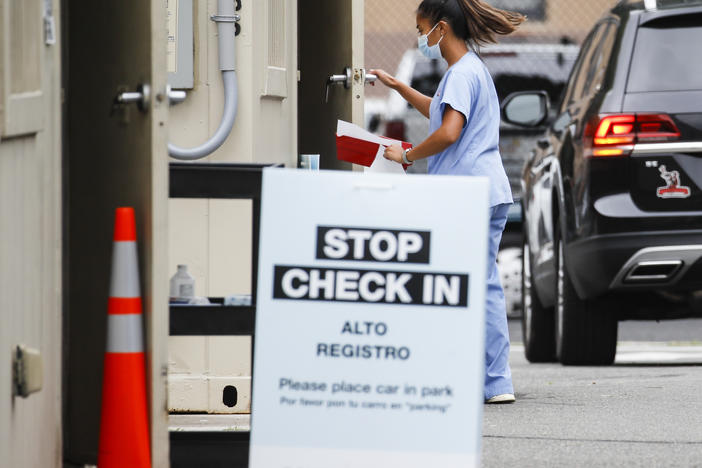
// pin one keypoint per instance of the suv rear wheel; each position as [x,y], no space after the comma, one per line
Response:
[537,320]
[586,330]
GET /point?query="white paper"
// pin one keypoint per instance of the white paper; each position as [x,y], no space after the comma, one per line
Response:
[381,164]
[354,131]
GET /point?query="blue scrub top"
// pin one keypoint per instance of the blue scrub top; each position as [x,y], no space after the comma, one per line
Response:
[468,88]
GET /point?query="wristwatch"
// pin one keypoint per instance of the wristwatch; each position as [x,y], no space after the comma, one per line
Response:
[405,152]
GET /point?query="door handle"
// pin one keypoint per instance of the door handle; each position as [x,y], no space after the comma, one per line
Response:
[347,78]
[141,97]
[360,75]
[175,96]
[142,94]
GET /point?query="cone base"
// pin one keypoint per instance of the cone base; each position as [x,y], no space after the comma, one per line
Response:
[124,425]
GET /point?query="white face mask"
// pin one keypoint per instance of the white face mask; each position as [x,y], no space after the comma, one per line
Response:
[432,52]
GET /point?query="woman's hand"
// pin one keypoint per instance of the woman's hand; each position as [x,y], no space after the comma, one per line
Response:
[394,153]
[418,100]
[385,78]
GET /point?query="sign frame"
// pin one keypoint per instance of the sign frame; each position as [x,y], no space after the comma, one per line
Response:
[344,376]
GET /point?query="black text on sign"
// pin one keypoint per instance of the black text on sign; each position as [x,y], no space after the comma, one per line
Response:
[372,245]
[371,286]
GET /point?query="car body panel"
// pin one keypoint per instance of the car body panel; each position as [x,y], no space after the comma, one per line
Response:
[609,208]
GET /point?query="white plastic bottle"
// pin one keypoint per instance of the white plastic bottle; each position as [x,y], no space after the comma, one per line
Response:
[182,285]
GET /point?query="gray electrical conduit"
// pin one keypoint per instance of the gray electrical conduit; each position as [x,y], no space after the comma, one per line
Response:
[225,20]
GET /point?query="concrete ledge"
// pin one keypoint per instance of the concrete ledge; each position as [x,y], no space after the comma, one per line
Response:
[209,423]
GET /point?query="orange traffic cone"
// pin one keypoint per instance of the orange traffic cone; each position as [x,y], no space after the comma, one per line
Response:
[124,425]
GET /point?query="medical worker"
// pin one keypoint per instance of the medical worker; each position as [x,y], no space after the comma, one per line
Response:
[464,124]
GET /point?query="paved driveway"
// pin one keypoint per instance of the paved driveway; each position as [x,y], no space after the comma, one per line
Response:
[646,410]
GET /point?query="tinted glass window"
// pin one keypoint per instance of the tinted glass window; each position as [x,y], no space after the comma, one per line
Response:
[667,56]
[662,4]
[543,67]
[599,62]
[577,77]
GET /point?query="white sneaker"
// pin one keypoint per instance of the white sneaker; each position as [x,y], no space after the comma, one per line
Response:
[501,399]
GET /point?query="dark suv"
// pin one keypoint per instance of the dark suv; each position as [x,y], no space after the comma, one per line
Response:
[612,195]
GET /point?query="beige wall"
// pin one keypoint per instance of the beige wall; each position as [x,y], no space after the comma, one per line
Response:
[390,28]
[30,231]
[213,237]
[562,16]
[571,18]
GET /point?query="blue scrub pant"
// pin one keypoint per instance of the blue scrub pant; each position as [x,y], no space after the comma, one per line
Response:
[498,376]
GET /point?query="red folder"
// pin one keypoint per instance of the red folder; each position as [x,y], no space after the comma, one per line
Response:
[357,151]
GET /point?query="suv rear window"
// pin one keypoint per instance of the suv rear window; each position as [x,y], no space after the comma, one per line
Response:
[667,56]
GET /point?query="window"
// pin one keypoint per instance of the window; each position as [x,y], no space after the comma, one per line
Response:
[667,56]
[577,77]
[600,60]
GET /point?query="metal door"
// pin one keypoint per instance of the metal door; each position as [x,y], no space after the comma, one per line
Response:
[330,43]
[115,156]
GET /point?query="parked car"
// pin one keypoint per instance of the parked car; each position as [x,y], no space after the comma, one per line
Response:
[514,67]
[612,195]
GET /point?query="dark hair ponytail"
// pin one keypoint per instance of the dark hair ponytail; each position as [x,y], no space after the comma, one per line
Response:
[474,21]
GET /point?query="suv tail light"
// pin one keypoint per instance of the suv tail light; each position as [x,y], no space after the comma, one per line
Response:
[616,135]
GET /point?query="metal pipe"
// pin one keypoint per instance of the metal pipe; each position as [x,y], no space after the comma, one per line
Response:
[226,24]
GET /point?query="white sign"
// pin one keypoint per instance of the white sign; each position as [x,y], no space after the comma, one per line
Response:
[369,347]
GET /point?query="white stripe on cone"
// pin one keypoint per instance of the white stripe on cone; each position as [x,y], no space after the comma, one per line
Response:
[125,270]
[124,333]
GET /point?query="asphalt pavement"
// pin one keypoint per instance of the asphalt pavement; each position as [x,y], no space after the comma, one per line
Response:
[645,410]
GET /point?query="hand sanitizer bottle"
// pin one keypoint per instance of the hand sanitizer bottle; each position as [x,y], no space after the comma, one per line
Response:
[182,285]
